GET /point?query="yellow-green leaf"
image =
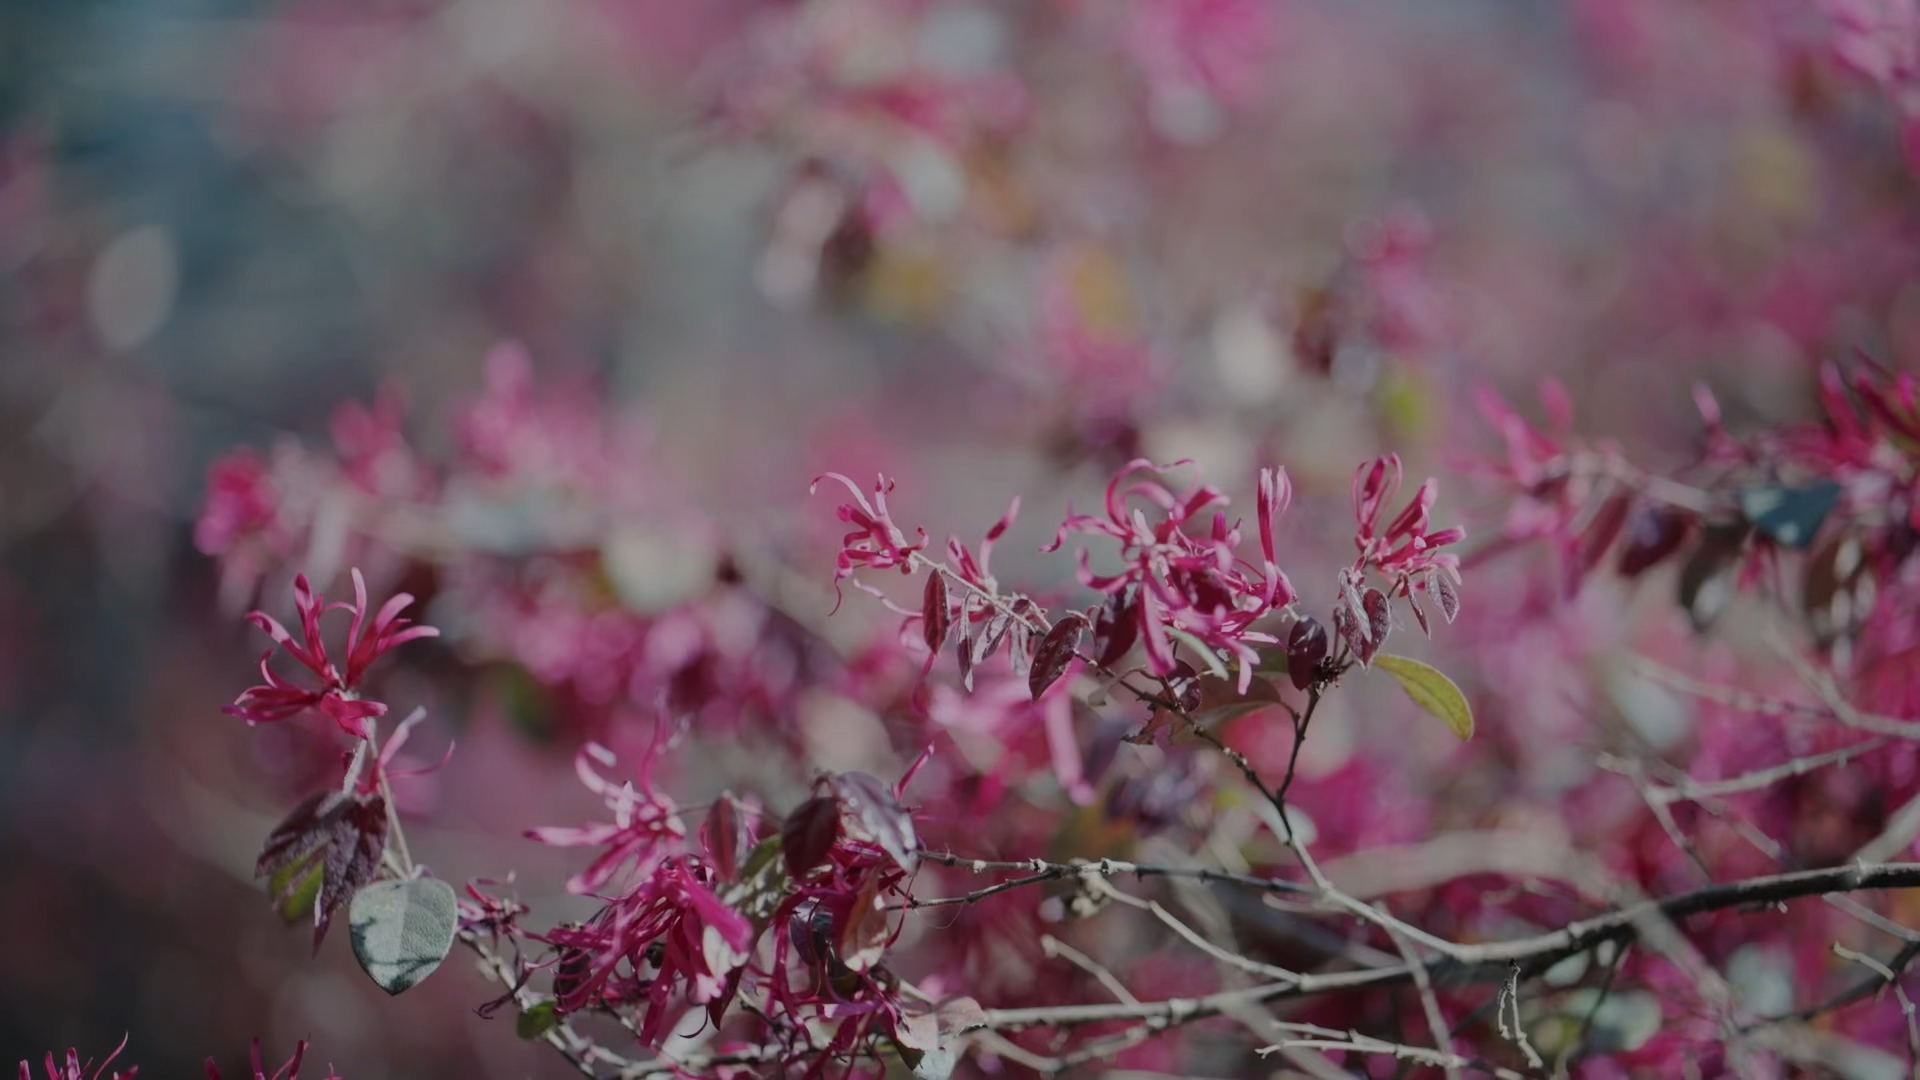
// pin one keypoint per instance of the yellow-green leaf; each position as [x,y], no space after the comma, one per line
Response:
[1431,690]
[1201,652]
[294,888]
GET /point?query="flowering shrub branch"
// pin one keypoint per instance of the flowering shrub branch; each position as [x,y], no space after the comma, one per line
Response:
[769,934]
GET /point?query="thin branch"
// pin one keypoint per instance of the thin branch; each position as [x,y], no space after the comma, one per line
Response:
[1352,1042]
[1041,870]
[1491,959]
[1053,946]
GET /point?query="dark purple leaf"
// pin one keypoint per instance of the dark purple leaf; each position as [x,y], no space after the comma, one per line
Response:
[934,617]
[811,831]
[353,854]
[725,835]
[342,834]
[1597,539]
[299,834]
[877,815]
[1306,651]
[1056,651]
[1184,684]
[1379,623]
[1445,592]
[1020,636]
[571,971]
[1115,627]
[1350,622]
[963,651]
[810,931]
[864,932]
[1653,532]
[989,638]
[717,1008]
[1707,580]
[1419,612]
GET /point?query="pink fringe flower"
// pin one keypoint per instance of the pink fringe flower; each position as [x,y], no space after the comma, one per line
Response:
[337,695]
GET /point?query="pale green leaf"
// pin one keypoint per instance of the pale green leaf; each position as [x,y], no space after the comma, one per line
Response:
[402,930]
[1431,690]
[1203,654]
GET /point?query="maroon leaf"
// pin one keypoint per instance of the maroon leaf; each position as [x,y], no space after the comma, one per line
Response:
[935,620]
[1653,532]
[717,1008]
[1447,594]
[1707,579]
[725,836]
[810,833]
[1350,622]
[1020,637]
[1419,613]
[1379,623]
[572,970]
[359,839]
[343,833]
[1056,651]
[878,816]
[963,651]
[989,638]
[1593,544]
[1185,686]
[865,932]
[810,931]
[299,834]
[1115,627]
[1306,651]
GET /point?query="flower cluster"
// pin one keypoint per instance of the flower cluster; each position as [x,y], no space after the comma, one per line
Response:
[1407,552]
[669,937]
[71,1067]
[681,930]
[1177,584]
[337,694]
[876,543]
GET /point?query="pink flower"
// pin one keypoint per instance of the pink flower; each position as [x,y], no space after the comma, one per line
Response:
[338,694]
[876,543]
[978,572]
[288,1071]
[646,826]
[240,502]
[1193,585]
[1406,547]
[374,453]
[72,1069]
[670,935]
[1406,550]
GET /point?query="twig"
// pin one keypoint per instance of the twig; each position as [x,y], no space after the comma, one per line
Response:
[1321,1038]
[1508,1016]
[1040,870]
[1487,959]
[1053,946]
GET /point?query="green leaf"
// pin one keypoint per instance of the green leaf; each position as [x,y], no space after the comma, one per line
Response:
[1431,690]
[402,930]
[294,888]
[537,1021]
[1215,666]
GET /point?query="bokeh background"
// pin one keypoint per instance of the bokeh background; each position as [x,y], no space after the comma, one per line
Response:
[989,247]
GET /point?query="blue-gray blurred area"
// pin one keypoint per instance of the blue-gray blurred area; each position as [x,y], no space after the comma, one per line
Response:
[218,220]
